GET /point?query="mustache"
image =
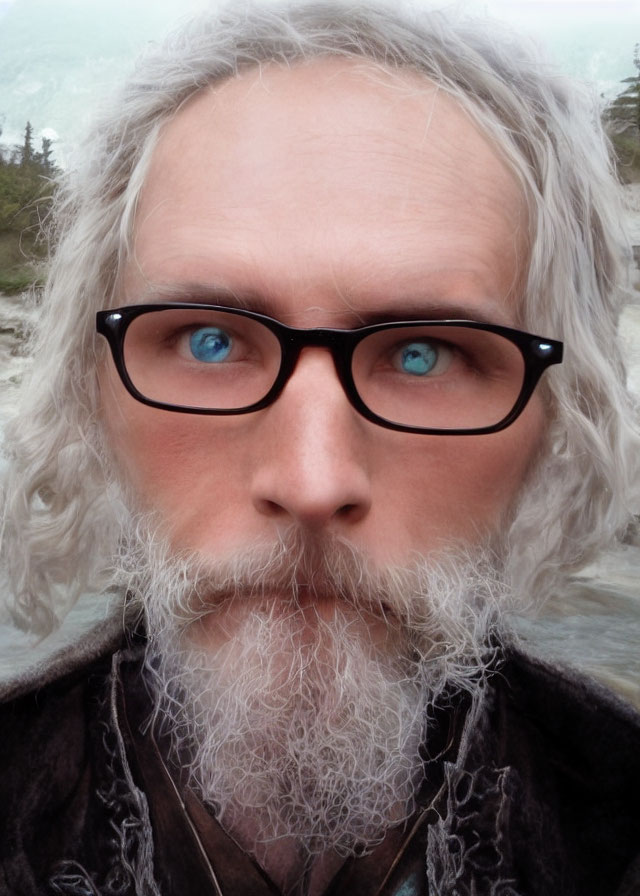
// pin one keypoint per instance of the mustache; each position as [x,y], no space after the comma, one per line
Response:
[302,568]
[298,567]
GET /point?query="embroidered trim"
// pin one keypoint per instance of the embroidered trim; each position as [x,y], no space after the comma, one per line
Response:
[468,851]
[126,850]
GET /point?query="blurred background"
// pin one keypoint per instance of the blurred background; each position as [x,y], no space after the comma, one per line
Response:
[58,58]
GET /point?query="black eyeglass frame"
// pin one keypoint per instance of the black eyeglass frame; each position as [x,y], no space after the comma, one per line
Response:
[538,354]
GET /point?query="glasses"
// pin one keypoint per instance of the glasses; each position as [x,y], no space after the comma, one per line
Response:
[432,377]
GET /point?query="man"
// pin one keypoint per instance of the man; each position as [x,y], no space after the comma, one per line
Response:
[325,438]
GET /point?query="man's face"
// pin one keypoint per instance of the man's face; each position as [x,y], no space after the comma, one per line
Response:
[323,195]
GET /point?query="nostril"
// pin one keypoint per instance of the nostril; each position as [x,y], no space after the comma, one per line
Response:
[347,510]
[271,508]
[352,513]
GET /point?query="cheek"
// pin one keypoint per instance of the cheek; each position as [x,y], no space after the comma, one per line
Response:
[445,489]
[178,464]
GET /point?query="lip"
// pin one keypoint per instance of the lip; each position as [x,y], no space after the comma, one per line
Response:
[307,598]
[368,620]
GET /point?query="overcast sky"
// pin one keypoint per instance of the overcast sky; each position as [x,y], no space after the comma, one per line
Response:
[57,57]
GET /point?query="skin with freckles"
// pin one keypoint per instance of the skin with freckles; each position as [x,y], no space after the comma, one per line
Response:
[320,195]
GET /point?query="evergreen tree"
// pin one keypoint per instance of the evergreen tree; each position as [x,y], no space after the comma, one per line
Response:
[45,157]
[27,148]
[622,121]
[25,186]
[624,112]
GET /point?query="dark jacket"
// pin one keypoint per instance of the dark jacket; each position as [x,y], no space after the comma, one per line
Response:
[545,802]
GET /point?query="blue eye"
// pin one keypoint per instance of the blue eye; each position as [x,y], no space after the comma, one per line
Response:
[210,344]
[418,358]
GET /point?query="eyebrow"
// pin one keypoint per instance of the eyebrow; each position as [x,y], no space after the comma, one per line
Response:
[207,294]
[415,307]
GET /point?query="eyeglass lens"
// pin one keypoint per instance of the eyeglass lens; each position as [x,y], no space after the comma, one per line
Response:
[419,375]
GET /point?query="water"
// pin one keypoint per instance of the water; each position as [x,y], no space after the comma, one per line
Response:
[17,315]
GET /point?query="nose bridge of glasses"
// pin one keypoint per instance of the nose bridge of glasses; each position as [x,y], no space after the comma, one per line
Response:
[339,343]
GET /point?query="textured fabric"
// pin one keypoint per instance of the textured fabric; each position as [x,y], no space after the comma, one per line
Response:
[534,791]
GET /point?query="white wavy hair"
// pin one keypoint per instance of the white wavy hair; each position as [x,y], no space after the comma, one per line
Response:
[60,524]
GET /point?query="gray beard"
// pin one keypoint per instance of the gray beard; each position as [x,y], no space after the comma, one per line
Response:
[299,728]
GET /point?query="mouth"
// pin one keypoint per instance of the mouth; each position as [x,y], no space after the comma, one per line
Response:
[221,616]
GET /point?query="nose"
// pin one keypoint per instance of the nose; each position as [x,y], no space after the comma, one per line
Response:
[311,458]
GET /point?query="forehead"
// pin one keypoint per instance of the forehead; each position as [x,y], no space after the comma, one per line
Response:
[334,176]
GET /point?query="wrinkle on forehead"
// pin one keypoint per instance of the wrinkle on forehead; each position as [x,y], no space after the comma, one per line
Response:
[281,135]
[332,86]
